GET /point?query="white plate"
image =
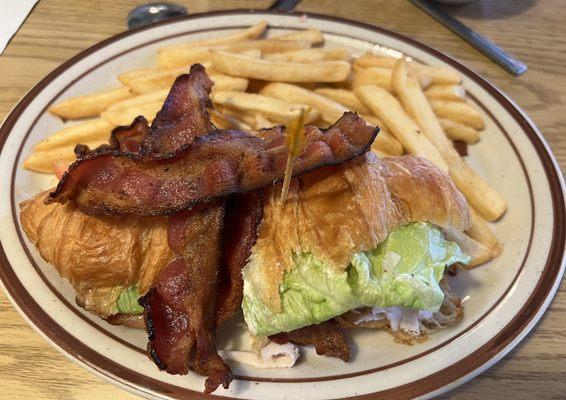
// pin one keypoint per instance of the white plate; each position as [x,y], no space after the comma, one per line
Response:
[503,300]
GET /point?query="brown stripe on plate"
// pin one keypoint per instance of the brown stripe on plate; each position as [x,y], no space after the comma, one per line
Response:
[428,384]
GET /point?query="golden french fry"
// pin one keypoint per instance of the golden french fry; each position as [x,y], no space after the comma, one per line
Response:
[175,58]
[234,118]
[481,232]
[310,35]
[139,100]
[424,73]
[388,109]
[379,77]
[252,32]
[330,110]
[155,80]
[481,196]
[458,131]
[310,55]
[437,75]
[88,131]
[165,78]
[446,92]
[386,143]
[266,46]
[370,61]
[127,77]
[89,105]
[458,111]
[373,76]
[237,65]
[261,122]
[251,53]
[219,120]
[345,97]
[480,254]
[274,109]
[121,116]
[44,160]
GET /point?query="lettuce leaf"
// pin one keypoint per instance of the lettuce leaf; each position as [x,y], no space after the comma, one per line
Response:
[403,271]
[127,302]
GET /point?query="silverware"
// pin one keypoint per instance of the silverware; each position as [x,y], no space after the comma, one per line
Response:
[154,12]
[284,5]
[487,47]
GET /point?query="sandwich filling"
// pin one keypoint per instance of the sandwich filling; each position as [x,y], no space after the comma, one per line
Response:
[347,239]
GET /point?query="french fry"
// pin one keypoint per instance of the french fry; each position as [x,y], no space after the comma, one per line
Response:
[388,109]
[310,55]
[437,75]
[480,232]
[88,131]
[345,97]
[458,131]
[480,254]
[266,46]
[274,109]
[129,76]
[261,122]
[45,160]
[125,115]
[482,197]
[458,111]
[234,118]
[330,110]
[165,78]
[310,35]
[386,143]
[155,80]
[175,58]
[246,67]
[252,32]
[379,153]
[139,100]
[89,105]
[373,76]
[380,77]
[424,73]
[219,120]
[446,92]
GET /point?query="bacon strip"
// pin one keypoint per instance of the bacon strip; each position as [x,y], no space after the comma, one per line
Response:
[243,215]
[179,311]
[326,337]
[217,164]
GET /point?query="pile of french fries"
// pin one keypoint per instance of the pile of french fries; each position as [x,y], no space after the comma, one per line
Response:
[259,83]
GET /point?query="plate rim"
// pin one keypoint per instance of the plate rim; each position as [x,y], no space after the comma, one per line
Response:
[506,343]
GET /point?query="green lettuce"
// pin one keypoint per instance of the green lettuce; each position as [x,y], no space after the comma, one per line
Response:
[404,270]
[127,302]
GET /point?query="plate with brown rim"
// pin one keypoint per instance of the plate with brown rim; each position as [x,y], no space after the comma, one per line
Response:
[503,300]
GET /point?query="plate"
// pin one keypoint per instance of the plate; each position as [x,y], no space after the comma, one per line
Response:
[503,299]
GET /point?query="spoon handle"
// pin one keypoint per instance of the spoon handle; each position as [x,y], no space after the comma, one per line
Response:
[284,5]
[487,47]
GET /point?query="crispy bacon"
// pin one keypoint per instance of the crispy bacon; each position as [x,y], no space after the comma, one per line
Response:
[326,337]
[217,164]
[179,311]
[183,116]
[243,215]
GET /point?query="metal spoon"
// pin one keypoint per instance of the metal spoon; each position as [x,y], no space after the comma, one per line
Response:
[154,12]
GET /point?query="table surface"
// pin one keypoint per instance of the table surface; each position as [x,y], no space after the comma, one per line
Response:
[532,30]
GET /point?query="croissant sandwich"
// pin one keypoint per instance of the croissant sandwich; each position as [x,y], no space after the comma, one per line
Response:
[178,227]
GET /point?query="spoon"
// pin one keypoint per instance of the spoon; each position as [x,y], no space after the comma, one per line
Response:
[150,13]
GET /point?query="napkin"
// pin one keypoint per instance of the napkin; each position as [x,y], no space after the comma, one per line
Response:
[12,15]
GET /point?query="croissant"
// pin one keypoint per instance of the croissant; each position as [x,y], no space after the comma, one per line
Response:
[100,256]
